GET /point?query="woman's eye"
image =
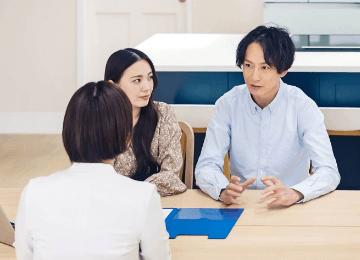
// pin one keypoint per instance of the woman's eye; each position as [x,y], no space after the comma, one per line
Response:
[247,65]
[137,80]
[266,68]
[151,77]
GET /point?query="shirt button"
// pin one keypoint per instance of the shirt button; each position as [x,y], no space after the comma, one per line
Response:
[264,127]
[261,173]
[263,150]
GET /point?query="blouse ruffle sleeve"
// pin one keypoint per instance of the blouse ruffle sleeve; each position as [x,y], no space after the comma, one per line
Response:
[169,157]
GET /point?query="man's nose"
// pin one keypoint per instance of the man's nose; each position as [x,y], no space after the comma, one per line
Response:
[256,75]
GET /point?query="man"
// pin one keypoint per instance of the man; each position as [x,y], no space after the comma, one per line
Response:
[271,129]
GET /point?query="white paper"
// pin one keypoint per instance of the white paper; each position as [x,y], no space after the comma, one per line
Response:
[167,212]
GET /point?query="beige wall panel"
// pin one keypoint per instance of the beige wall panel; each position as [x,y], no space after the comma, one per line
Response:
[159,23]
[117,24]
[37,55]
[112,35]
[230,16]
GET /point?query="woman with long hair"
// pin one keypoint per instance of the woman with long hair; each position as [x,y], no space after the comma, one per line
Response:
[154,154]
[85,211]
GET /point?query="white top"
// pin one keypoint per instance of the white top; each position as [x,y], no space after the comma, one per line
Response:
[217,52]
[90,212]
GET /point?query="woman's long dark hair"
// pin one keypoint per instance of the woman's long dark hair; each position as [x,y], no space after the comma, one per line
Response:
[144,129]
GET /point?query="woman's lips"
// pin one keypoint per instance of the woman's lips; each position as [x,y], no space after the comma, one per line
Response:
[145,97]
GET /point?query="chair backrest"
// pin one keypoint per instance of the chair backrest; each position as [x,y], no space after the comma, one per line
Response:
[187,147]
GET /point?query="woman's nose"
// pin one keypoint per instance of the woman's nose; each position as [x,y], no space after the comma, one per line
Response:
[146,86]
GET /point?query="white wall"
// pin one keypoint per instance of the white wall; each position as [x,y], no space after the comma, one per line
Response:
[37,61]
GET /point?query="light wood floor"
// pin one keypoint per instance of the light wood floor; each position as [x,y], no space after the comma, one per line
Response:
[23,157]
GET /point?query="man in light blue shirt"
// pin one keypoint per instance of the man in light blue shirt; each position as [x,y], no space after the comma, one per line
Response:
[270,129]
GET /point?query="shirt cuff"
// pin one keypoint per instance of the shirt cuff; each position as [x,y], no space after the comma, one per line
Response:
[304,190]
[219,199]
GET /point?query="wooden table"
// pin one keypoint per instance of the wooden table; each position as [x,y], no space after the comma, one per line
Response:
[325,228]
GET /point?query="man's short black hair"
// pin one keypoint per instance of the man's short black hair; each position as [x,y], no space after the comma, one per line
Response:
[97,123]
[279,50]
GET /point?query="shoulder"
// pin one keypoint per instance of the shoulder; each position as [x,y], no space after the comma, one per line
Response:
[166,115]
[46,180]
[163,109]
[297,97]
[45,184]
[236,95]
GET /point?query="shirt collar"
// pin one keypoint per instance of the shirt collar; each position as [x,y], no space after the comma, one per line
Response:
[273,105]
[253,105]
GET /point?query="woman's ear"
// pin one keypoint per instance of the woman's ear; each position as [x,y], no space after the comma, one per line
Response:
[110,80]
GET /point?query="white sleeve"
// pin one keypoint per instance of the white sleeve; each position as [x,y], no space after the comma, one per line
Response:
[154,240]
[23,241]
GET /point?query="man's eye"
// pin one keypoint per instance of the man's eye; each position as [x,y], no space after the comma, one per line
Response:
[266,68]
[247,65]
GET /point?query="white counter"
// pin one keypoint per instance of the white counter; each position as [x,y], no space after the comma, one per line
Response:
[217,52]
[336,118]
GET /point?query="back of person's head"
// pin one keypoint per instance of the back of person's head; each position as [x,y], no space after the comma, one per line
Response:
[279,50]
[97,123]
[120,60]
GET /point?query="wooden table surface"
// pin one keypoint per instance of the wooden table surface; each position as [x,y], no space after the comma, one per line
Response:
[325,228]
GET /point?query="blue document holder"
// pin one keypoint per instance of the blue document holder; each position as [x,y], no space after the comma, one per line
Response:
[214,223]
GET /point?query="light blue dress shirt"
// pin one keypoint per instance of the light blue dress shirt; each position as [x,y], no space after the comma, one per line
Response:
[278,140]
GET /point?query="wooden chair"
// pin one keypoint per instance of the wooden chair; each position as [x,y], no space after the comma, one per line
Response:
[199,122]
[187,148]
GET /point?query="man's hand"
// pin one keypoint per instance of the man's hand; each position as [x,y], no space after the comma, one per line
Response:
[234,190]
[283,196]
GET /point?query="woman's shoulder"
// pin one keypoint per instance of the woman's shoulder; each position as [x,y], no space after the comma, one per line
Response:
[162,105]
[164,109]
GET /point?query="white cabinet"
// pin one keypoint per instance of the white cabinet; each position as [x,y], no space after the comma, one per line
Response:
[286,1]
[311,18]
[312,1]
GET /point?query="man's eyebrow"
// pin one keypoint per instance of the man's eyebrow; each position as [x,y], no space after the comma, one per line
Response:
[260,63]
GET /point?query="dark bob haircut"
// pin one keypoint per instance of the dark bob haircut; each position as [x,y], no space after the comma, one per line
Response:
[279,50]
[97,123]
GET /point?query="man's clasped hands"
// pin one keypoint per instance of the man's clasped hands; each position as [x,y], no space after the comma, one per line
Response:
[276,191]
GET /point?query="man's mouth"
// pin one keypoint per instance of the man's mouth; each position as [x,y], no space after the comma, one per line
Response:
[256,86]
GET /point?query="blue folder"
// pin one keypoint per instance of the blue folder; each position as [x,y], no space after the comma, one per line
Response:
[214,223]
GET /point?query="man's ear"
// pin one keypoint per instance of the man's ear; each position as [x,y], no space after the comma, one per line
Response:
[283,74]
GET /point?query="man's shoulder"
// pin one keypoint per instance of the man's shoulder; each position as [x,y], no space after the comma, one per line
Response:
[236,93]
[297,96]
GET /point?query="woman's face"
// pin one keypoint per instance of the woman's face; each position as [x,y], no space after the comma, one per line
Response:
[137,83]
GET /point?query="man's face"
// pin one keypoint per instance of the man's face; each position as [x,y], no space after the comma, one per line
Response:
[262,80]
